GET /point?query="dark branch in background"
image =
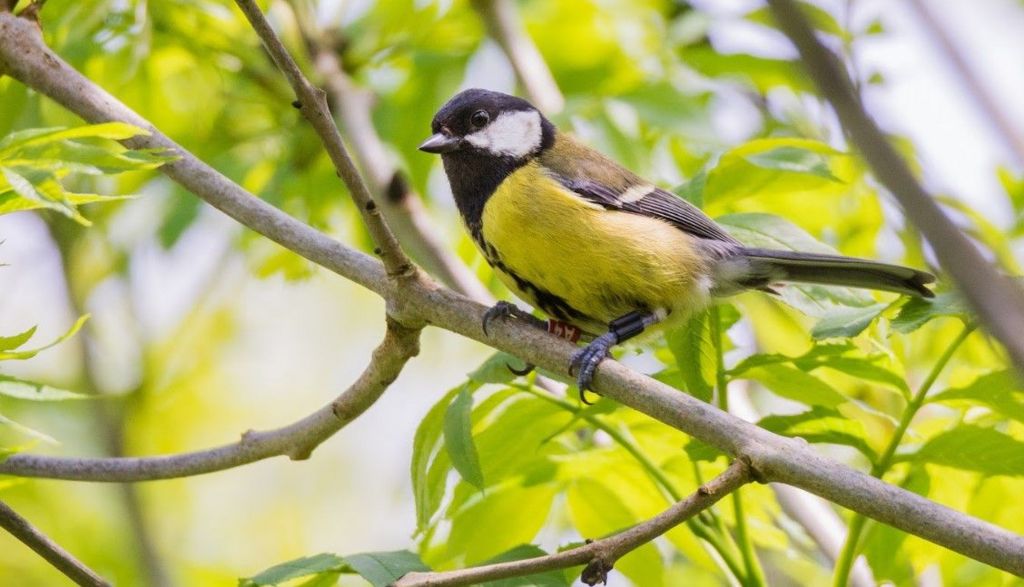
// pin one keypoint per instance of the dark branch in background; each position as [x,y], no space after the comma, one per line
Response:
[61,559]
[296,440]
[1000,122]
[600,555]
[505,27]
[109,416]
[312,102]
[417,301]
[402,206]
[993,296]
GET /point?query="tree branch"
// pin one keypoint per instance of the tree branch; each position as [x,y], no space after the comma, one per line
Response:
[402,206]
[312,102]
[296,440]
[504,26]
[994,297]
[998,119]
[52,552]
[600,555]
[771,457]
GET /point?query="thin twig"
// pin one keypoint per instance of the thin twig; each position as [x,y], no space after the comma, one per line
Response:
[599,555]
[312,102]
[998,119]
[772,457]
[507,30]
[993,296]
[402,206]
[296,440]
[52,552]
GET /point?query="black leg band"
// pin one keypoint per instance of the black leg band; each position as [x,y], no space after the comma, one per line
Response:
[623,328]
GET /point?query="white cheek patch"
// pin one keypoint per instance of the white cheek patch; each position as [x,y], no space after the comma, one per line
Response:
[513,134]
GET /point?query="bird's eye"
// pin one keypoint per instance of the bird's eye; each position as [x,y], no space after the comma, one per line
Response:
[480,118]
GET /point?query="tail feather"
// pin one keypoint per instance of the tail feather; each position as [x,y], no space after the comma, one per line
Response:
[838,270]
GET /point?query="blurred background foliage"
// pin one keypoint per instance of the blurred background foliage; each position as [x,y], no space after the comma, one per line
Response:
[200,330]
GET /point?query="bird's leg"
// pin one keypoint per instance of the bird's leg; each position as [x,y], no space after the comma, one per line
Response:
[505,310]
[586,360]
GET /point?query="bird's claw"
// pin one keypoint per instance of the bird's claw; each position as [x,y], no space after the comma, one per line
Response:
[500,310]
[584,363]
[526,370]
[505,310]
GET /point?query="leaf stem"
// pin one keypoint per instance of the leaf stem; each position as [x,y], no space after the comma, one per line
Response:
[721,544]
[850,548]
[755,575]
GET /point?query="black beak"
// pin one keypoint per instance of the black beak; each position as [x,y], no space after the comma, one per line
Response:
[441,143]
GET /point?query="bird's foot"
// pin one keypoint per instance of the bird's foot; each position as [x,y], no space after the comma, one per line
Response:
[584,363]
[504,310]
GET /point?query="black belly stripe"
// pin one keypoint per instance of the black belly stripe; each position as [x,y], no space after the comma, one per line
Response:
[548,302]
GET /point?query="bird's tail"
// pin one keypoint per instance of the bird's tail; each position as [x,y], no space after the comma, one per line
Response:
[838,270]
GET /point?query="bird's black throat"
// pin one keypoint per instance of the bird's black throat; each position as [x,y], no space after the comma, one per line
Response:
[474,175]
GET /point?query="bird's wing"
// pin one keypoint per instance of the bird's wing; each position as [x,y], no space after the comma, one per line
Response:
[598,179]
[648,200]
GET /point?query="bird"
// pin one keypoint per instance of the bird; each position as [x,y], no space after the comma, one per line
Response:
[601,251]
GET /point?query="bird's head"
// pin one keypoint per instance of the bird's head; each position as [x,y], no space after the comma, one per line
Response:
[485,123]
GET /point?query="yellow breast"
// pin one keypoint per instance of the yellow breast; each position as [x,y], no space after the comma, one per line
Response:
[554,247]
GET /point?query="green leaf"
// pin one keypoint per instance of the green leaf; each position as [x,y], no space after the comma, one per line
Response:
[766,167]
[294,569]
[12,342]
[973,448]
[458,439]
[33,163]
[772,232]
[184,209]
[822,425]
[524,551]
[919,311]
[694,352]
[795,160]
[868,369]
[38,189]
[596,510]
[108,160]
[20,389]
[428,489]
[36,137]
[507,515]
[384,568]
[1001,391]
[693,190]
[818,353]
[27,431]
[762,73]
[495,369]
[20,355]
[794,384]
[845,322]
[517,441]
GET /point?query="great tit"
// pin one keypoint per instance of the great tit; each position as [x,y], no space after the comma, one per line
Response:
[593,245]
